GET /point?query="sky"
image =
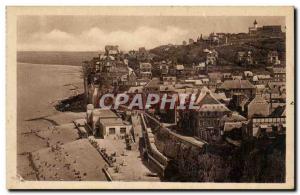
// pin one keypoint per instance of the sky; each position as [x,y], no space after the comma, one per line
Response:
[92,33]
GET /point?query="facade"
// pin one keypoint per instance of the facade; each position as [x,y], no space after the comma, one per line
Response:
[113,128]
[164,69]
[212,57]
[258,106]
[230,87]
[264,31]
[104,123]
[205,121]
[112,50]
[279,74]
[273,58]
[269,125]
[145,70]
[244,58]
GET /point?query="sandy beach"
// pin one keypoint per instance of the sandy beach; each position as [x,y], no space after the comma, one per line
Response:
[40,127]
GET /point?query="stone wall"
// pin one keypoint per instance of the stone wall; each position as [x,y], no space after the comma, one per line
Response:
[256,160]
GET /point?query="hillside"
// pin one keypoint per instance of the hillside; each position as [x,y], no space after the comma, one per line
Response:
[193,53]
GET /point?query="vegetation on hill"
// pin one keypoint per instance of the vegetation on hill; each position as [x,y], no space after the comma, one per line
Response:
[193,53]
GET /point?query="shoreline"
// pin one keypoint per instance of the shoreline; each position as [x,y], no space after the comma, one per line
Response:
[60,65]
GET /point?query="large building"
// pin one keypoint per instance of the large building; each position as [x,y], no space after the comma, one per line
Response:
[269,31]
[104,123]
[205,122]
[230,87]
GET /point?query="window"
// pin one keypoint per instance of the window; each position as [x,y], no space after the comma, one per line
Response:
[112,131]
[123,130]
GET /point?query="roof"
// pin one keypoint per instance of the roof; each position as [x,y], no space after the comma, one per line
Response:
[278,112]
[201,65]
[181,85]
[138,89]
[255,78]
[166,88]
[241,53]
[104,113]
[220,96]
[278,70]
[273,53]
[237,84]
[105,57]
[206,50]
[154,82]
[260,87]
[145,65]
[229,126]
[258,100]
[169,78]
[208,102]
[196,82]
[213,108]
[248,73]
[179,67]
[112,121]
[263,76]
[234,117]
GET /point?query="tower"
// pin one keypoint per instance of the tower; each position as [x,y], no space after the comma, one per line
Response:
[255,24]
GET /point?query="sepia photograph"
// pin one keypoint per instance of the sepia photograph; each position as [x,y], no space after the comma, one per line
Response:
[150,98]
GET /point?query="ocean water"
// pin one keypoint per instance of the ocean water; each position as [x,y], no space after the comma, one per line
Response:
[55,57]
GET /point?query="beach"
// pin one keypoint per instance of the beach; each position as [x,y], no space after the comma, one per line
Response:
[40,127]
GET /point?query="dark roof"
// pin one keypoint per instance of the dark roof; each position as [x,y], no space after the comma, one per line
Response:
[237,84]
[278,112]
[154,83]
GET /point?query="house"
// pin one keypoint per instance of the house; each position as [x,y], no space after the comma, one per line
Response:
[142,54]
[233,126]
[131,78]
[214,38]
[273,58]
[200,68]
[135,90]
[262,78]
[179,69]
[237,77]
[265,31]
[164,69]
[195,82]
[204,122]
[105,123]
[248,75]
[112,50]
[168,80]
[258,106]
[270,126]
[114,127]
[166,89]
[212,57]
[152,86]
[232,117]
[229,87]
[244,58]
[279,74]
[238,102]
[227,76]
[145,70]
[109,70]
